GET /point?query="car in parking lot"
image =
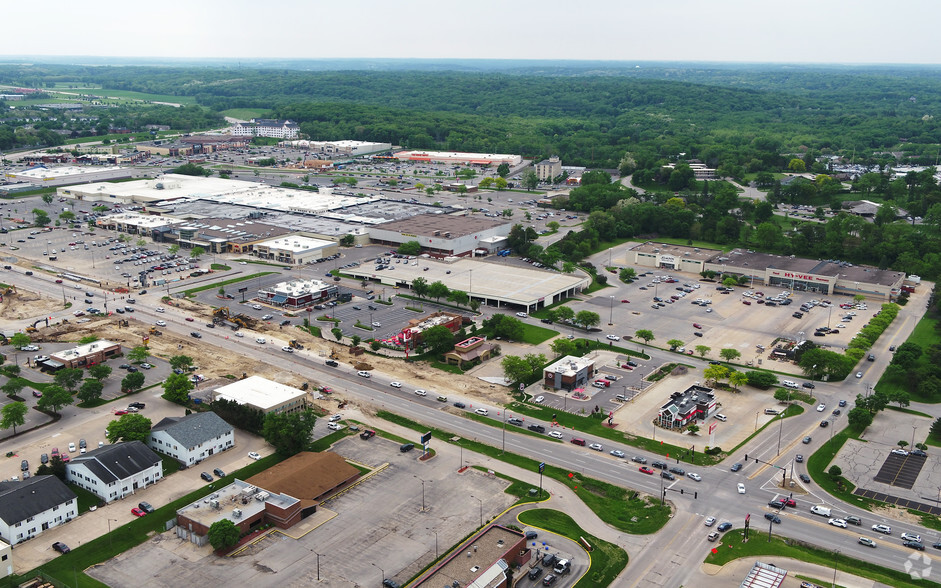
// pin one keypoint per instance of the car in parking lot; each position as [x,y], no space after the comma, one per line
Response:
[137,512]
[146,507]
[539,399]
[723,527]
[254,455]
[206,476]
[219,472]
[522,314]
[60,547]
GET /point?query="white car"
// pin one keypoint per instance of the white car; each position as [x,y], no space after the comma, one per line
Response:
[617,453]
[396,384]
[910,537]
[334,426]
[613,338]
[694,476]
[71,447]
[254,455]
[901,452]
[421,393]
[885,529]
[838,523]
[539,399]
[363,374]
[741,488]
[522,315]
[161,323]
[159,309]
[710,521]
[821,407]
[596,447]
[287,349]
[256,306]
[482,411]
[335,418]
[859,374]
[260,340]
[377,324]
[239,335]
[555,434]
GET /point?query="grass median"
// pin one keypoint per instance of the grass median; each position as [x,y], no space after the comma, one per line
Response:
[759,545]
[216,285]
[607,559]
[623,509]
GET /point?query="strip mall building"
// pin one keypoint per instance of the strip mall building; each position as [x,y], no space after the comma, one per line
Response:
[829,277]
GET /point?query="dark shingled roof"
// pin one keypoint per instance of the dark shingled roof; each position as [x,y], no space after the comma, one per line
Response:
[117,462]
[194,429]
[21,500]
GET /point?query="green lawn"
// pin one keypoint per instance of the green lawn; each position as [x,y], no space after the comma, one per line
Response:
[819,462]
[732,548]
[925,334]
[217,285]
[623,509]
[607,559]
[131,95]
[535,335]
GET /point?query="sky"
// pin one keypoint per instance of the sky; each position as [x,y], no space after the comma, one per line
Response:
[796,31]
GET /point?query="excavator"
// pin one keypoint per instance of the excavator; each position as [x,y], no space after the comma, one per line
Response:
[236,321]
[294,344]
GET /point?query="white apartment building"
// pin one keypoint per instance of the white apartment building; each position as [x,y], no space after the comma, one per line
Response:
[34,505]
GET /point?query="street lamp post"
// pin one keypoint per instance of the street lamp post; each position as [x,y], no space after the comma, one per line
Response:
[481,509]
[835,555]
[422,492]
[318,562]
[913,435]
[109,532]
[611,314]
[381,570]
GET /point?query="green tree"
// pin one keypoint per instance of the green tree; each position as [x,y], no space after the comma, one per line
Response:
[715,373]
[139,354]
[141,242]
[13,387]
[535,361]
[337,333]
[87,339]
[223,534]
[132,382]
[53,398]
[565,313]
[439,339]
[11,371]
[506,327]
[737,380]
[703,350]
[420,287]
[835,472]
[516,369]
[674,343]
[437,290]
[181,362]
[627,274]
[173,249]
[501,184]
[458,297]
[67,215]
[503,170]
[901,397]
[20,340]
[69,378]
[40,217]
[100,371]
[935,431]
[355,340]
[90,391]
[587,319]
[347,240]
[176,388]
[782,394]
[729,354]
[474,305]
[289,433]
[562,346]
[128,427]
[530,180]
[797,165]
[645,334]
[196,253]
[12,415]
[409,248]
[693,429]
[47,198]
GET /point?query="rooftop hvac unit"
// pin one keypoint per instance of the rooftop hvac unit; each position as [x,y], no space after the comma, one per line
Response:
[237,513]
[248,490]
[214,504]
[262,496]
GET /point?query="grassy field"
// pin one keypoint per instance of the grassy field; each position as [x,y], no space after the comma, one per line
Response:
[758,545]
[535,335]
[607,559]
[246,113]
[818,463]
[924,335]
[217,285]
[621,508]
[130,95]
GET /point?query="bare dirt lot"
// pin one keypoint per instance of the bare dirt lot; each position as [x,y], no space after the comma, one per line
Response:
[25,304]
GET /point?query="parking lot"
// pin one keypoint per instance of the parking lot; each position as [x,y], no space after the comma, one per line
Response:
[359,544]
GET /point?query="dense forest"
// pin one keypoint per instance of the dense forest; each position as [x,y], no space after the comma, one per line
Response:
[740,118]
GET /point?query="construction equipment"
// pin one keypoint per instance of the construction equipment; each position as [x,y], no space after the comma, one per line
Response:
[233,320]
[333,355]
[294,344]
[153,330]
[123,323]
[31,329]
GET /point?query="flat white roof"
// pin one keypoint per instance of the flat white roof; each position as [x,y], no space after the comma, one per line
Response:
[456,156]
[570,364]
[257,391]
[41,173]
[83,350]
[296,288]
[140,220]
[295,243]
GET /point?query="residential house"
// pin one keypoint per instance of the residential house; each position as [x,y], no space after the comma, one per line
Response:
[115,471]
[34,505]
[192,438]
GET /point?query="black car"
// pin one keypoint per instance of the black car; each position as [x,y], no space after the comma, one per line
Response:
[138,405]
[773,517]
[547,321]
[799,458]
[549,560]
[632,363]
[195,335]
[530,535]
[537,428]
[809,385]
[331,363]
[736,467]
[837,412]
[534,573]
[60,547]
[804,478]
[824,424]
[678,471]
[218,472]
[460,405]
[206,476]
[723,527]
[406,447]
[659,464]
[146,507]
[778,504]
[914,545]
[667,476]
[390,583]
[919,453]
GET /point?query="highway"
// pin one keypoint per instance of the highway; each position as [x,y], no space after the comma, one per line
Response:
[670,557]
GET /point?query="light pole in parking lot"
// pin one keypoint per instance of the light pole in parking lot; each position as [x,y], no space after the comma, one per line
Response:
[109,531]
[913,435]
[422,492]
[381,570]
[481,508]
[318,563]
[611,314]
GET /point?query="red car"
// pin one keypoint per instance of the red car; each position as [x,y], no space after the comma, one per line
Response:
[188,319]
[697,325]
[137,512]
[627,367]
[65,458]
[625,301]
[37,393]
[645,470]
[120,412]
[58,281]
[746,302]
[790,502]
